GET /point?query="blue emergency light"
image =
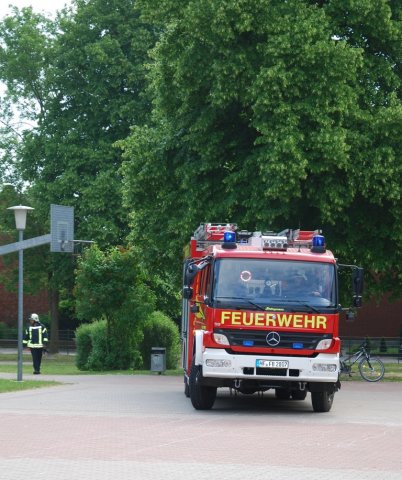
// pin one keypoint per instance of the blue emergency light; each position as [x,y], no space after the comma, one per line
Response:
[318,245]
[229,239]
[318,241]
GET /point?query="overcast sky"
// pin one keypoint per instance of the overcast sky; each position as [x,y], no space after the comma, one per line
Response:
[40,6]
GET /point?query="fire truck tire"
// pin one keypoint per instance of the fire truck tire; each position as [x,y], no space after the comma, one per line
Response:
[186,388]
[322,401]
[202,397]
[299,394]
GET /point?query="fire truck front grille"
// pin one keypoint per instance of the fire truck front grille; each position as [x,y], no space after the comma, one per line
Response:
[262,338]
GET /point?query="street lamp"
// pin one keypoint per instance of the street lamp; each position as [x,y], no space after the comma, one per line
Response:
[20,213]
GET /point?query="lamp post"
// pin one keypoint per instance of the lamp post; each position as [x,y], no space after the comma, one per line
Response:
[20,213]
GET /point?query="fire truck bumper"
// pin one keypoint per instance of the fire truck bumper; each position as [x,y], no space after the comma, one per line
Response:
[217,363]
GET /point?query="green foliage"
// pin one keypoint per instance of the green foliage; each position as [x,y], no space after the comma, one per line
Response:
[98,358]
[111,285]
[160,331]
[79,79]
[267,113]
[26,40]
[272,114]
[83,345]
[99,350]
[94,77]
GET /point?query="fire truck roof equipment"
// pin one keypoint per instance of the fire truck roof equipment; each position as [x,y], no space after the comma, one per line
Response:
[227,235]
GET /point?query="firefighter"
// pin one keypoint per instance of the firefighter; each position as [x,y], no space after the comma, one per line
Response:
[36,339]
[299,286]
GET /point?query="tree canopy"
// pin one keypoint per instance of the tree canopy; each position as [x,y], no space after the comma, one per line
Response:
[273,114]
[79,79]
[86,76]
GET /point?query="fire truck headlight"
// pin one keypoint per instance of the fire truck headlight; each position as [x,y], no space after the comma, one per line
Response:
[324,344]
[221,339]
[324,367]
[212,362]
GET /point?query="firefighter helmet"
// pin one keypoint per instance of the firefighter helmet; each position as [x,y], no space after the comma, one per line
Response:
[34,317]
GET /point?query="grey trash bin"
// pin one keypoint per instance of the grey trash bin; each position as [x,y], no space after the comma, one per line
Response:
[158,359]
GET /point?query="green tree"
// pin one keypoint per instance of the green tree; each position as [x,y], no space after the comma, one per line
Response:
[111,286]
[95,81]
[80,79]
[272,114]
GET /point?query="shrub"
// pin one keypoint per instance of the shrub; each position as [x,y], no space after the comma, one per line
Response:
[160,331]
[84,345]
[383,345]
[99,349]
[97,358]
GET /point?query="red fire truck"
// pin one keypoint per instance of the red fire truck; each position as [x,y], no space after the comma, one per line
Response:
[261,311]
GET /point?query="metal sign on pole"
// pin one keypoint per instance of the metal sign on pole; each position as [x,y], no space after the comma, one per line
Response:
[61,228]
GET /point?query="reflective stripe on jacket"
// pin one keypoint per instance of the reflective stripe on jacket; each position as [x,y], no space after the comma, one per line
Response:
[35,336]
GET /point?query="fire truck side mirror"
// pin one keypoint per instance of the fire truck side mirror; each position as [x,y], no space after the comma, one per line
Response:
[357,279]
[191,272]
[187,292]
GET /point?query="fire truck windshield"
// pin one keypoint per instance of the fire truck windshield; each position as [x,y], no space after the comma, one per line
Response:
[274,283]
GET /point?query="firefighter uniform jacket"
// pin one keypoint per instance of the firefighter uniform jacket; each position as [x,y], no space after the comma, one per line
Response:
[35,336]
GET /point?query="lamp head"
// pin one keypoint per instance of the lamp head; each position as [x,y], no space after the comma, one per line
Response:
[20,212]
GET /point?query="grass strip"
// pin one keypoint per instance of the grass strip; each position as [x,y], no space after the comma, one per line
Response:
[16,386]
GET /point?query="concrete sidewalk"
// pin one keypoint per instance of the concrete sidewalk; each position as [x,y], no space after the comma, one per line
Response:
[114,427]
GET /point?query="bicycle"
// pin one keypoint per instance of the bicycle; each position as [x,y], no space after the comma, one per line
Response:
[371,368]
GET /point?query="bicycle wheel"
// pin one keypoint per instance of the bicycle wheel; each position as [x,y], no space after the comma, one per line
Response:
[373,371]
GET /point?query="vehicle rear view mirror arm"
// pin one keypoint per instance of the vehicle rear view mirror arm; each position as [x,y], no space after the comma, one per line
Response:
[357,283]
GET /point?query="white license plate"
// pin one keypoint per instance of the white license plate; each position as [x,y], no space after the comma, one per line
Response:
[272,364]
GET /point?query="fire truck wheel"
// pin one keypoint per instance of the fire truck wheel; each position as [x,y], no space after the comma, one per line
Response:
[186,388]
[282,393]
[299,394]
[322,401]
[202,397]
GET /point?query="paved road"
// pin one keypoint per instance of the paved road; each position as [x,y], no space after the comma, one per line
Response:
[143,427]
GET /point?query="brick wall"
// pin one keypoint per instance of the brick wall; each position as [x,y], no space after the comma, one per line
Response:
[9,300]
[374,319]
[9,306]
